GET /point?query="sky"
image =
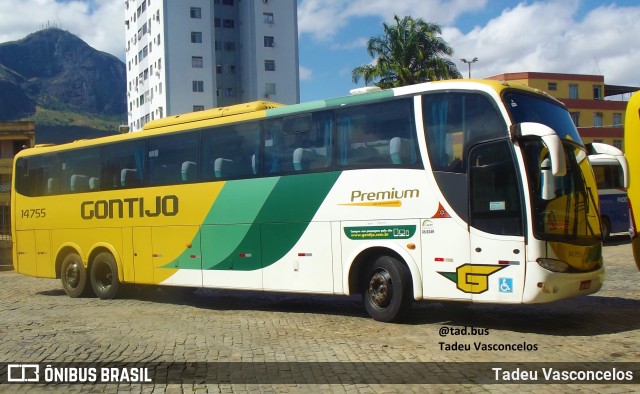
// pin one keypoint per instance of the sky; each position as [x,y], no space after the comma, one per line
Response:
[560,36]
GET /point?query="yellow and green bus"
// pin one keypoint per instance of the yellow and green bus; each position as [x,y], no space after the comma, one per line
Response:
[632,152]
[472,191]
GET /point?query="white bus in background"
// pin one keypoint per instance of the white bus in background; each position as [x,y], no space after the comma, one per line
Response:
[611,171]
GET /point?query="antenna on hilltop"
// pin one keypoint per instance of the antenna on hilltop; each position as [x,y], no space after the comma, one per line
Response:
[48,25]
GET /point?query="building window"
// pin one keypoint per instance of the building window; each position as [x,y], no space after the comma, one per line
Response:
[269,42]
[228,23]
[218,46]
[597,92]
[197,62]
[617,144]
[269,89]
[617,119]
[573,91]
[552,86]
[227,2]
[597,119]
[218,68]
[269,65]
[196,37]
[575,116]
[198,86]
[216,22]
[197,108]
[229,46]
[268,17]
[195,13]
[228,92]
[232,69]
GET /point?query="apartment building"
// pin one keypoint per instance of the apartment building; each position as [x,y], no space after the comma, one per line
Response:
[185,56]
[597,118]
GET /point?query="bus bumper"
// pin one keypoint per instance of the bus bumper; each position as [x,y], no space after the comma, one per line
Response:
[547,286]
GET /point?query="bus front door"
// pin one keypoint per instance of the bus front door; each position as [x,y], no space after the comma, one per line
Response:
[497,247]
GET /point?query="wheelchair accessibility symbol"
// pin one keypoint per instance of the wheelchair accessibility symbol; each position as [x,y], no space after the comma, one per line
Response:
[506,285]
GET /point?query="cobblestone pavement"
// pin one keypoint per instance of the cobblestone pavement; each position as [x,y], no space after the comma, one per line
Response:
[39,323]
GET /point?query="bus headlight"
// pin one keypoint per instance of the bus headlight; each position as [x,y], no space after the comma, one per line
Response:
[553,265]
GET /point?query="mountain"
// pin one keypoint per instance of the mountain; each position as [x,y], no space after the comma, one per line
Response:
[69,89]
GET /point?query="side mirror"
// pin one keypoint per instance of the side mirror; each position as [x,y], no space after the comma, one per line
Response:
[549,138]
[597,148]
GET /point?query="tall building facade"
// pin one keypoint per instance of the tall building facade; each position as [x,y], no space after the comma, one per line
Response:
[585,96]
[190,55]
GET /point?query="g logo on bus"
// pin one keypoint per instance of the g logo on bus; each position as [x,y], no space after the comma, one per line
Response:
[471,278]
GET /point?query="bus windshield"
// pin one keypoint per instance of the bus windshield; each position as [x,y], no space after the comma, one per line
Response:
[564,207]
[529,108]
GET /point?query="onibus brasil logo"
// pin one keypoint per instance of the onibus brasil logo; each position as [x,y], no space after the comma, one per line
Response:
[471,278]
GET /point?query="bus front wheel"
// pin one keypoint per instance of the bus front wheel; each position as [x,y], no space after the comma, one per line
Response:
[73,276]
[104,276]
[388,292]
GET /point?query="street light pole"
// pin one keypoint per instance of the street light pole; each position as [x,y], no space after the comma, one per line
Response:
[475,59]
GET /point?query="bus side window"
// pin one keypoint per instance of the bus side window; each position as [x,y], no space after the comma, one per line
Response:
[78,167]
[37,176]
[377,135]
[272,137]
[297,143]
[123,165]
[453,122]
[229,152]
[309,138]
[167,155]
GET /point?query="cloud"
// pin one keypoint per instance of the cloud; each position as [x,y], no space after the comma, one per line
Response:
[100,23]
[551,37]
[324,19]
[306,74]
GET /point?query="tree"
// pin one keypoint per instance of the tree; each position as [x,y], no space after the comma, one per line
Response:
[409,52]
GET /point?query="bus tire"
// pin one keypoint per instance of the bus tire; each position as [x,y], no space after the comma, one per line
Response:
[605,229]
[104,276]
[387,291]
[73,276]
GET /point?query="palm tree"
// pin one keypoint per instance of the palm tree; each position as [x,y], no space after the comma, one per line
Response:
[409,52]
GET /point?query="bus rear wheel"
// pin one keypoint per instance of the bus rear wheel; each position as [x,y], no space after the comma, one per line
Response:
[387,291]
[73,276]
[104,276]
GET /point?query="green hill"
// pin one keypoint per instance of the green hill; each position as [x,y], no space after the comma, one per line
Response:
[69,89]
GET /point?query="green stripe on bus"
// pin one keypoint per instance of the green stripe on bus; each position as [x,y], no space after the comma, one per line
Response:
[255,223]
[360,98]
[296,108]
[240,201]
[335,102]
